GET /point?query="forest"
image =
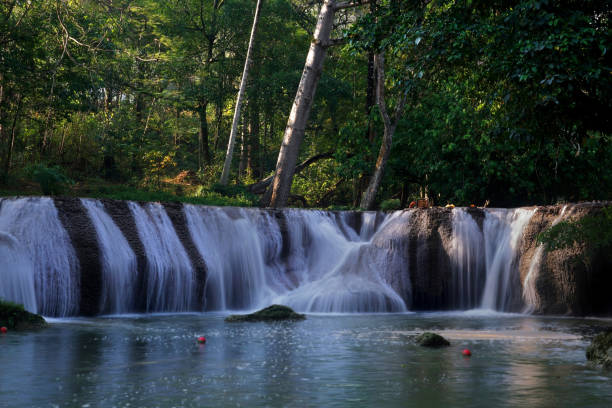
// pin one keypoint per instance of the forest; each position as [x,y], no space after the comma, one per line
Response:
[462,101]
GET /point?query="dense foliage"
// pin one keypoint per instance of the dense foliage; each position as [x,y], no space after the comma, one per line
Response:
[508,101]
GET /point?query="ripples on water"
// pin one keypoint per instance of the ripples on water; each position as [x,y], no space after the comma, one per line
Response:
[340,360]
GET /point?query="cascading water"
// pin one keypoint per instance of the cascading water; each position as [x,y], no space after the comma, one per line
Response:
[17,273]
[502,234]
[324,267]
[312,261]
[343,276]
[119,267]
[467,253]
[530,294]
[232,249]
[169,281]
[40,247]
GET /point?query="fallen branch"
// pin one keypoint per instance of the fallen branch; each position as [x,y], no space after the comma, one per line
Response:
[261,186]
[349,4]
[296,198]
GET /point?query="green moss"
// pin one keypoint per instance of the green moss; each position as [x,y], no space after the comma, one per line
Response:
[270,313]
[15,317]
[600,350]
[429,339]
[594,231]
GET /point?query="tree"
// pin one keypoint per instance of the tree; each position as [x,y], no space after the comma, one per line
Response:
[369,196]
[245,73]
[300,111]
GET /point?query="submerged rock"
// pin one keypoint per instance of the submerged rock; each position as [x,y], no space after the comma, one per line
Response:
[270,313]
[15,317]
[600,350]
[429,339]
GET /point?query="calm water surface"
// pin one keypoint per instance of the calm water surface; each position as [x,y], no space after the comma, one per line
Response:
[330,361]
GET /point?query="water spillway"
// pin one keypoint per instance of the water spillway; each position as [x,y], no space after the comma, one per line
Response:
[39,249]
[126,257]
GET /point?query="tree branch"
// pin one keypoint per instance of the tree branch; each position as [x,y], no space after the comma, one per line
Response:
[350,3]
[261,186]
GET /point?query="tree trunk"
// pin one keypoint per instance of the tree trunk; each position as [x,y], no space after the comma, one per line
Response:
[1,110]
[203,152]
[300,111]
[218,118]
[243,150]
[371,96]
[245,73]
[9,154]
[369,196]
[176,132]
[253,145]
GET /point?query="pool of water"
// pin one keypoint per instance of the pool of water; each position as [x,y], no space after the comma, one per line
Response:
[326,360]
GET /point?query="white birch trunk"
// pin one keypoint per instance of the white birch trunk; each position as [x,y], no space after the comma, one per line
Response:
[245,73]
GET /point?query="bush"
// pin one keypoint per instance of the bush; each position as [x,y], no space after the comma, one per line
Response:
[391,204]
[51,179]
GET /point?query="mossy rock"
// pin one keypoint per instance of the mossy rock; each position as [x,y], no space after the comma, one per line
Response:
[270,313]
[14,317]
[429,339]
[600,350]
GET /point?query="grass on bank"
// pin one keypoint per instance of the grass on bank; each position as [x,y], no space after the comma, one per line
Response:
[50,181]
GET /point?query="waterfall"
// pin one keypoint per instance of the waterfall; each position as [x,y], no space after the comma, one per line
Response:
[467,253]
[312,261]
[17,273]
[233,248]
[368,225]
[169,282]
[319,263]
[343,276]
[530,294]
[39,246]
[503,230]
[119,267]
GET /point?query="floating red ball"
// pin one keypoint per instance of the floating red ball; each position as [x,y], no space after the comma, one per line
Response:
[3,329]
[201,339]
[466,353]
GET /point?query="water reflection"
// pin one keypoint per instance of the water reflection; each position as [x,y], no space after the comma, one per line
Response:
[367,360]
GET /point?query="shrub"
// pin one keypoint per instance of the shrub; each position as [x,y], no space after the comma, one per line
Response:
[52,180]
[390,205]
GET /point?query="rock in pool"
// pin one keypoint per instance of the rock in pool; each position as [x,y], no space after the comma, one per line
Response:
[429,339]
[600,350]
[270,313]
[15,317]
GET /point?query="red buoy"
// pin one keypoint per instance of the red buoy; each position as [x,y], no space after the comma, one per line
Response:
[201,339]
[466,353]
[3,329]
